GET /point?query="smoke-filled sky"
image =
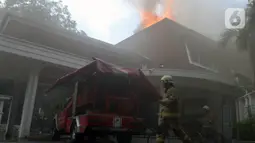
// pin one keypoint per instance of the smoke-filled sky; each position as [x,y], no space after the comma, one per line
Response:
[114,20]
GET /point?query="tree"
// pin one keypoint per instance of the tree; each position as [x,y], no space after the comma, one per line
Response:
[245,38]
[48,11]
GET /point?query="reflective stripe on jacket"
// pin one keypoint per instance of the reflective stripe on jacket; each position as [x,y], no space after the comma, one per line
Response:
[168,114]
[169,105]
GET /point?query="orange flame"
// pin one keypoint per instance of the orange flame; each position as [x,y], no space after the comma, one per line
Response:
[149,18]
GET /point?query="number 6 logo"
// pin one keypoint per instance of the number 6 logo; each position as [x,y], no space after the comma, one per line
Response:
[235,18]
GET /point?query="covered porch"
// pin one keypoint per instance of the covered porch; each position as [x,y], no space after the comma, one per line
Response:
[21,79]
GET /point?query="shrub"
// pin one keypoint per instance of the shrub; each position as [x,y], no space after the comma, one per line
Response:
[246,130]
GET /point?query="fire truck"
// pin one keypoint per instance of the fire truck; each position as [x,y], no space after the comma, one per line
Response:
[104,100]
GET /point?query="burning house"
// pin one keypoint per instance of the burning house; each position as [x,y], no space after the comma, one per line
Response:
[173,47]
[33,55]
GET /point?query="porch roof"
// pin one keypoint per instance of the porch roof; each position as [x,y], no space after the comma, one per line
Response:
[49,35]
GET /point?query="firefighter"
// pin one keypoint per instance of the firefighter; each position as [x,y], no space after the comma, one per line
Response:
[207,117]
[207,124]
[169,113]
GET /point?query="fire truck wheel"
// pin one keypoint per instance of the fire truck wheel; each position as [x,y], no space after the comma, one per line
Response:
[124,138]
[76,137]
[90,135]
[55,133]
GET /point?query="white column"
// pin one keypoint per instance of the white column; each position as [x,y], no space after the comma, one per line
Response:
[241,109]
[1,110]
[29,101]
[250,104]
[246,107]
[237,105]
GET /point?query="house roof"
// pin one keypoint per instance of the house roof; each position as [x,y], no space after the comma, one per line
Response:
[166,42]
[162,42]
[49,35]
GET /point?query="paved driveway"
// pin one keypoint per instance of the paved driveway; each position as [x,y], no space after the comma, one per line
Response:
[135,140]
[46,139]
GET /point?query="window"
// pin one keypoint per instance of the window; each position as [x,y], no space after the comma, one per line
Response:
[197,62]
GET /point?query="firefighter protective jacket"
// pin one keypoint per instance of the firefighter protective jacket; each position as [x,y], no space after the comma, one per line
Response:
[169,104]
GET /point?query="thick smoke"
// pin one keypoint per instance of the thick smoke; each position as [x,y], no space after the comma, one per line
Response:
[206,17]
[203,16]
[147,5]
[157,7]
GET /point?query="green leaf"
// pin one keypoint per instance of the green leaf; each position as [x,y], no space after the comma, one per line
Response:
[52,12]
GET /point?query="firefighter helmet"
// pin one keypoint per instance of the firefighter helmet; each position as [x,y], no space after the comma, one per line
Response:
[206,107]
[167,79]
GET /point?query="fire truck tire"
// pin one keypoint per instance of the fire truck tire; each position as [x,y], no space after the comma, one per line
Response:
[91,136]
[76,137]
[56,136]
[55,133]
[124,138]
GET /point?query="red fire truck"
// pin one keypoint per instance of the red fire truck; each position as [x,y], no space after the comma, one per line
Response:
[104,100]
